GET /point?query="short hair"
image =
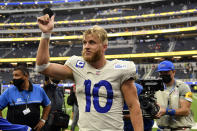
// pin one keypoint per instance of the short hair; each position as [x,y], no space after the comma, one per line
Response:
[23,69]
[99,31]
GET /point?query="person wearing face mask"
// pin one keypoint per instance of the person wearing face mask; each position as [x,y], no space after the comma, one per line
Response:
[24,100]
[175,101]
[56,95]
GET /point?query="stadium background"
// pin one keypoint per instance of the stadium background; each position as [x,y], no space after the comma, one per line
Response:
[145,31]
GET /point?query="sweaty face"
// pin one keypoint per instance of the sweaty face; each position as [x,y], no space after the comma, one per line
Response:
[92,48]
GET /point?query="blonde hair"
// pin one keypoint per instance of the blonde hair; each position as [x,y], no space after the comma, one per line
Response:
[98,31]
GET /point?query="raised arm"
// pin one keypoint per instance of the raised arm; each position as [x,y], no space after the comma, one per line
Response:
[43,66]
[131,98]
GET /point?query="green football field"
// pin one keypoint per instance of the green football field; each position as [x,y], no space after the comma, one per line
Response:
[69,110]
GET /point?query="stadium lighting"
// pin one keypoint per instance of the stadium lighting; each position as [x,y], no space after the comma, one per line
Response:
[39,2]
[177,57]
[14,64]
[158,58]
[29,63]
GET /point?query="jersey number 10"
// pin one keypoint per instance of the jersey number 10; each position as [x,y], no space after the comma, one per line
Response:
[95,94]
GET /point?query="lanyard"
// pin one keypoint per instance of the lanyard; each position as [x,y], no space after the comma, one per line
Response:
[172,89]
[26,100]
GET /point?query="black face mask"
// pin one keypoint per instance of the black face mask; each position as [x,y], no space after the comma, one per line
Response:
[18,82]
[166,78]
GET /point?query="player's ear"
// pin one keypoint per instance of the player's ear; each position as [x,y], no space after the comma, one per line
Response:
[104,46]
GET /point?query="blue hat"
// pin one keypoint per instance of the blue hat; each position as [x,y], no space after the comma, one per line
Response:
[165,66]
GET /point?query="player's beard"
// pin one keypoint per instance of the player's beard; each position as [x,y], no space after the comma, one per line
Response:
[94,57]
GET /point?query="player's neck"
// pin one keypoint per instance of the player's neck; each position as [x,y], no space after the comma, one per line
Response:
[99,64]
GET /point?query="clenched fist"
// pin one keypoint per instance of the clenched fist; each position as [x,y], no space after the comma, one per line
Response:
[45,23]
